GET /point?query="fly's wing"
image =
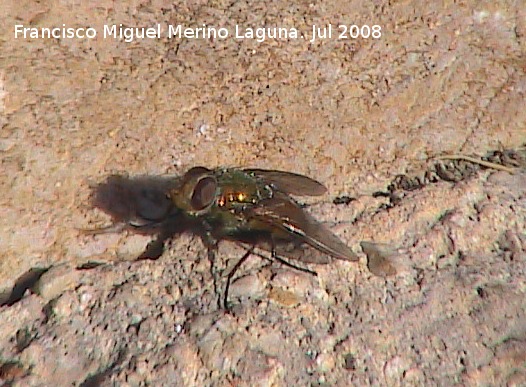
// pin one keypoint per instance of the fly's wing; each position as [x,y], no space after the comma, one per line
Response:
[295,248]
[282,213]
[288,182]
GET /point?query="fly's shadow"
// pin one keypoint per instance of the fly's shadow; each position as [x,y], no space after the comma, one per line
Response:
[140,205]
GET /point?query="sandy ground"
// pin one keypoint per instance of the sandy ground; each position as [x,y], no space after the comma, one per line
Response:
[444,78]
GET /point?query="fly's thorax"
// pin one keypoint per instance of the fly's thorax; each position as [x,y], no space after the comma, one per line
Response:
[238,189]
[232,198]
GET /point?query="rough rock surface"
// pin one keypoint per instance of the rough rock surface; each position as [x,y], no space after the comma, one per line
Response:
[445,78]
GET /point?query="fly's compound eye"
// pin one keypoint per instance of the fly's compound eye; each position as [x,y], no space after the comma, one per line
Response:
[204,193]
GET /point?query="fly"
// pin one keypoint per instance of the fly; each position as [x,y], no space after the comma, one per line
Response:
[252,207]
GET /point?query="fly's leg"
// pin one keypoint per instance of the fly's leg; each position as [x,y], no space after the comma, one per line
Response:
[216,277]
[231,274]
[155,248]
[112,229]
[211,244]
[275,256]
[147,227]
[166,230]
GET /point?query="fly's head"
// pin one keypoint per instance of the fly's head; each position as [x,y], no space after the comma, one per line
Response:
[196,193]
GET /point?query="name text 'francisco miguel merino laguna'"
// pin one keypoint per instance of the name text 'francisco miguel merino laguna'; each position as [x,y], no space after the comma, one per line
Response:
[129,34]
